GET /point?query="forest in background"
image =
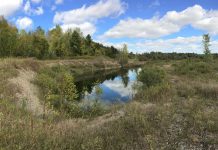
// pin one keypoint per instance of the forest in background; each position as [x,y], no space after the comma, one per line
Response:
[59,44]
[47,45]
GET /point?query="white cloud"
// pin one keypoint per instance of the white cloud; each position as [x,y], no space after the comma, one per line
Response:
[27,7]
[8,7]
[118,45]
[171,22]
[30,11]
[141,28]
[39,11]
[59,1]
[90,14]
[191,44]
[24,23]
[86,28]
[208,24]
[104,8]
[36,1]
[180,45]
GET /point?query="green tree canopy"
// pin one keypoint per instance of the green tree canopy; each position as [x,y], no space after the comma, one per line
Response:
[8,38]
[55,39]
[123,56]
[75,44]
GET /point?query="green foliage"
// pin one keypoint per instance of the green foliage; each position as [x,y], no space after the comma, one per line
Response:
[55,43]
[98,90]
[46,82]
[8,38]
[55,37]
[24,45]
[113,53]
[85,109]
[151,76]
[193,68]
[40,47]
[153,94]
[87,48]
[75,44]
[67,87]
[123,56]
[167,56]
[59,91]
[206,44]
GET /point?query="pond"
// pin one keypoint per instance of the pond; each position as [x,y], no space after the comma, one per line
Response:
[113,86]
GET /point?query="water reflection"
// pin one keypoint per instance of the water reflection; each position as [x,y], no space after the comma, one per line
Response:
[116,85]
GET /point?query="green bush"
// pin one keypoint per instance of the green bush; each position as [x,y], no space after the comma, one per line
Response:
[151,76]
[85,109]
[59,91]
[193,68]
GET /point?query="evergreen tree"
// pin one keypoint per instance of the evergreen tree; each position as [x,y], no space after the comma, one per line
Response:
[39,31]
[88,48]
[75,44]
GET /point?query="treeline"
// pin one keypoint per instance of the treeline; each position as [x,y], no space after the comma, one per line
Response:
[52,44]
[167,56]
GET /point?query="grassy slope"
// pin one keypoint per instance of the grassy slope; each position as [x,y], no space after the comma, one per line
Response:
[182,113]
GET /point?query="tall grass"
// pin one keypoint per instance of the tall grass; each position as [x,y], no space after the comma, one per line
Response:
[168,115]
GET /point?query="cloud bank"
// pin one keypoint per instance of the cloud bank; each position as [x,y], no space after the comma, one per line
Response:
[171,22]
[89,15]
[8,7]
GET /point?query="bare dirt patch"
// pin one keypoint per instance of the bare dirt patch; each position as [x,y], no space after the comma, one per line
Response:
[28,92]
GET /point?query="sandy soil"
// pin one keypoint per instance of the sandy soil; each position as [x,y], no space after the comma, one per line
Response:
[28,92]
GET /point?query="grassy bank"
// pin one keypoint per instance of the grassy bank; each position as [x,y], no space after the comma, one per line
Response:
[177,112]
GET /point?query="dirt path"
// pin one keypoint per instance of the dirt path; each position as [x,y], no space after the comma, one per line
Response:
[90,124]
[28,92]
[101,120]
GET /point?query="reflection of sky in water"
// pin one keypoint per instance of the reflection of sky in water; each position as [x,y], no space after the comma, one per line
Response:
[114,90]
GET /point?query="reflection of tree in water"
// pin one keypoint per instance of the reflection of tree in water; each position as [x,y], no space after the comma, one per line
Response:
[124,77]
[89,82]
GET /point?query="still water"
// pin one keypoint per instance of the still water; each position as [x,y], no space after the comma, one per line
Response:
[108,86]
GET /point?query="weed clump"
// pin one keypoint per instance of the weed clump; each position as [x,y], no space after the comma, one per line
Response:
[207,91]
[85,109]
[151,76]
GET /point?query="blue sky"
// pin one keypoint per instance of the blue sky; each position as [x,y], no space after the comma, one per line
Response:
[145,25]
